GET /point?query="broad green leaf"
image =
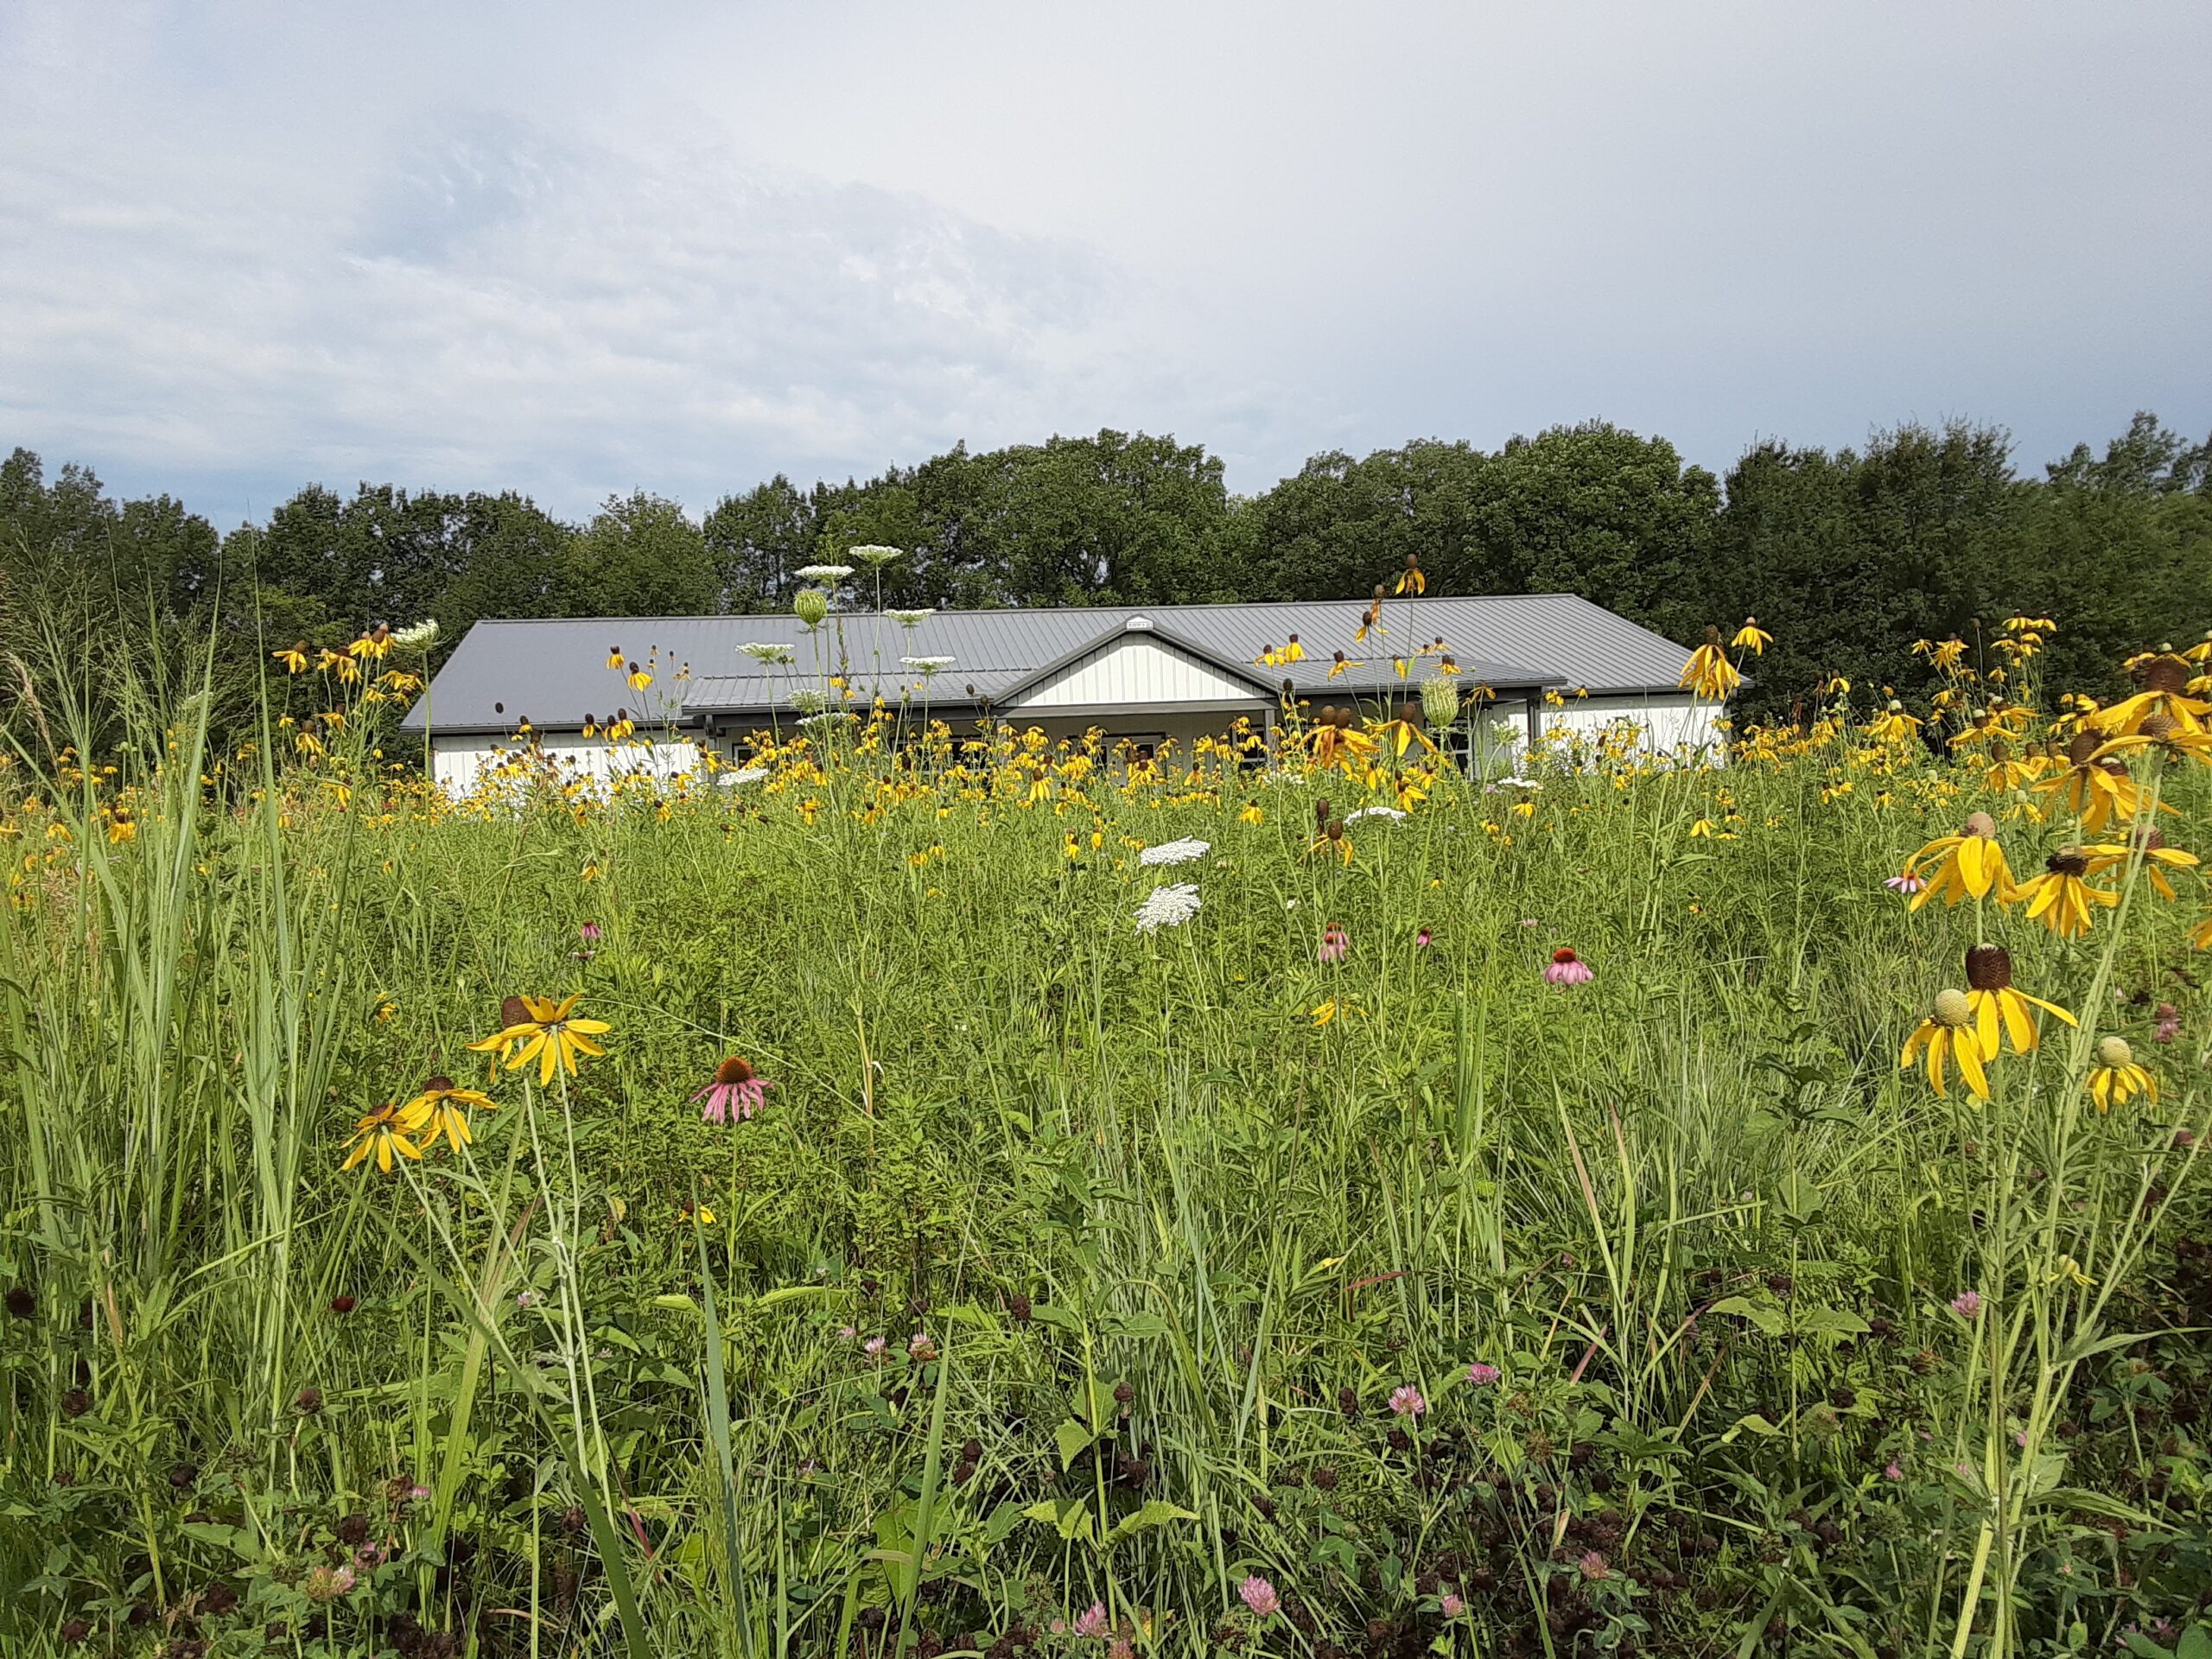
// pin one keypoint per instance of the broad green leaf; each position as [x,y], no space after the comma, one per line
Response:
[1073,1439]
[1767,1317]
[1157,1512]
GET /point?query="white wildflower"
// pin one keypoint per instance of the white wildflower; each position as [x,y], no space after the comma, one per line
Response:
[742,775]
[911,618]
[826,721]
[1168,907]
[1175,852]
[809,701]
[1389,812]
[824,572]
[421,637]
[875,557]
[926,664]
[762,651]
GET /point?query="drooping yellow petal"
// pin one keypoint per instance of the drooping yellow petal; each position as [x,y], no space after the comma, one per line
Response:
[1969,1057]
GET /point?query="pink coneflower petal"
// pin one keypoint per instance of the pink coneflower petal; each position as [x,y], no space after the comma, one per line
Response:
[1566,969]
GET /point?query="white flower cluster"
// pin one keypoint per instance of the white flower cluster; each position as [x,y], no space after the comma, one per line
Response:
[824,572]
[1169,906]
[742,775]
[875,557]
[927,664]
[911,618]
[421,637]
[1175,852]
[766,651]
[1389,812]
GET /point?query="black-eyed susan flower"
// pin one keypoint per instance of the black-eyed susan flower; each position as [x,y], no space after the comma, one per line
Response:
[549,1033]
[1949,1036]
[2000,1009]
[441,1112]
[2165,679]
[1969,865]
[1709,673]
[387,1130]
[2157,857]
[2060,898]
[2117,1077]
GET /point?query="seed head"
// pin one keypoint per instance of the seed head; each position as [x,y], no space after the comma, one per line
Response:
[1980,823]
[22,1302]
[2067,860]
[1989,967]
[2165,672]
[1952,1008]
[2115,1052]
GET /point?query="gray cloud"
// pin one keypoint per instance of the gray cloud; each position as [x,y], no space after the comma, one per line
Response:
[244,247]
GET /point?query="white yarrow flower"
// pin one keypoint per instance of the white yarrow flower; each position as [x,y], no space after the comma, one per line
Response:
[911,618]
[1168,907]
[1175,852]
[1389,812]
[824,572]
[762,651]
[421,637]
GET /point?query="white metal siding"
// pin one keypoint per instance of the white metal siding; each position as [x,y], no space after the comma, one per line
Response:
[458,762]
[1664,724]
[1135,670]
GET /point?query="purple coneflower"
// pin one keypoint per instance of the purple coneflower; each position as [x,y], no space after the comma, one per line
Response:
[1567,968]
[1482,1374]
[1260,1596]
[733,1091]
[1336,943]
[1907,883]
[1967,1304]
[1422,939]
[1407,1400]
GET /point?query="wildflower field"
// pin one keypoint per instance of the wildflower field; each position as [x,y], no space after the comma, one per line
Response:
[972,1196]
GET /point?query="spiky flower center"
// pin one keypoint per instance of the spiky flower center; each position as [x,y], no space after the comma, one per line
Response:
[2167,673]
[1989,967]
[1565,954]
[2067,862]
[732,1071]
[441,1085]
[1952,1008]
[2115,1052]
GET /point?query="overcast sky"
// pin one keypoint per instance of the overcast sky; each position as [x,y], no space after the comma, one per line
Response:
[578,248]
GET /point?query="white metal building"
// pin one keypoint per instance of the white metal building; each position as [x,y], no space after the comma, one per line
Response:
[1529,665]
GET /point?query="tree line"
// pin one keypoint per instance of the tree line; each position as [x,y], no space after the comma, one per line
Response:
[1847,556]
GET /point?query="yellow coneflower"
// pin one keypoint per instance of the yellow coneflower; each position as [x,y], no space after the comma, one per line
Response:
[548,1034]
[1335,742]
[1294,652]
[2059,898]
[2157,857]
[1709,673]
[372,646]
[1400,732]
[1410,580]
[639,678]
[2001,1010]
[294,657]
[2094,784]
[1332,839]
[442,1108]
[1342,662]
[1948,1033]
[2165,679]
[1752,637]
[1893,725]
[1970,865]
[615,660]
[2117,1077]
[386,1130]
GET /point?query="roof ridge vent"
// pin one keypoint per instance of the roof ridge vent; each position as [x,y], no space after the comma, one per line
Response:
[1137,625]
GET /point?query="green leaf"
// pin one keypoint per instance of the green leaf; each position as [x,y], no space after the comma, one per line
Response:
[2196,1643]
[1157,1512]
[1765,1315]
[1053,1314]
[1073,1439]
[1070,1517]
[1755,1423]
[1834,1322]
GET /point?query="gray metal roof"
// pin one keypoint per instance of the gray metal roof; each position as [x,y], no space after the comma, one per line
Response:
[554,671]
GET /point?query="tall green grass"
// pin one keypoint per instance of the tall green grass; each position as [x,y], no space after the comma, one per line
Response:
[1171,1244]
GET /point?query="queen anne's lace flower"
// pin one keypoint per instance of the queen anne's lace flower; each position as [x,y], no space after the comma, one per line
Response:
[911,618]
[1175,852]
[762,651]
[421,637]
[824,572]
[742,775]
[1389,812]
[1169,906]
[927,664]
